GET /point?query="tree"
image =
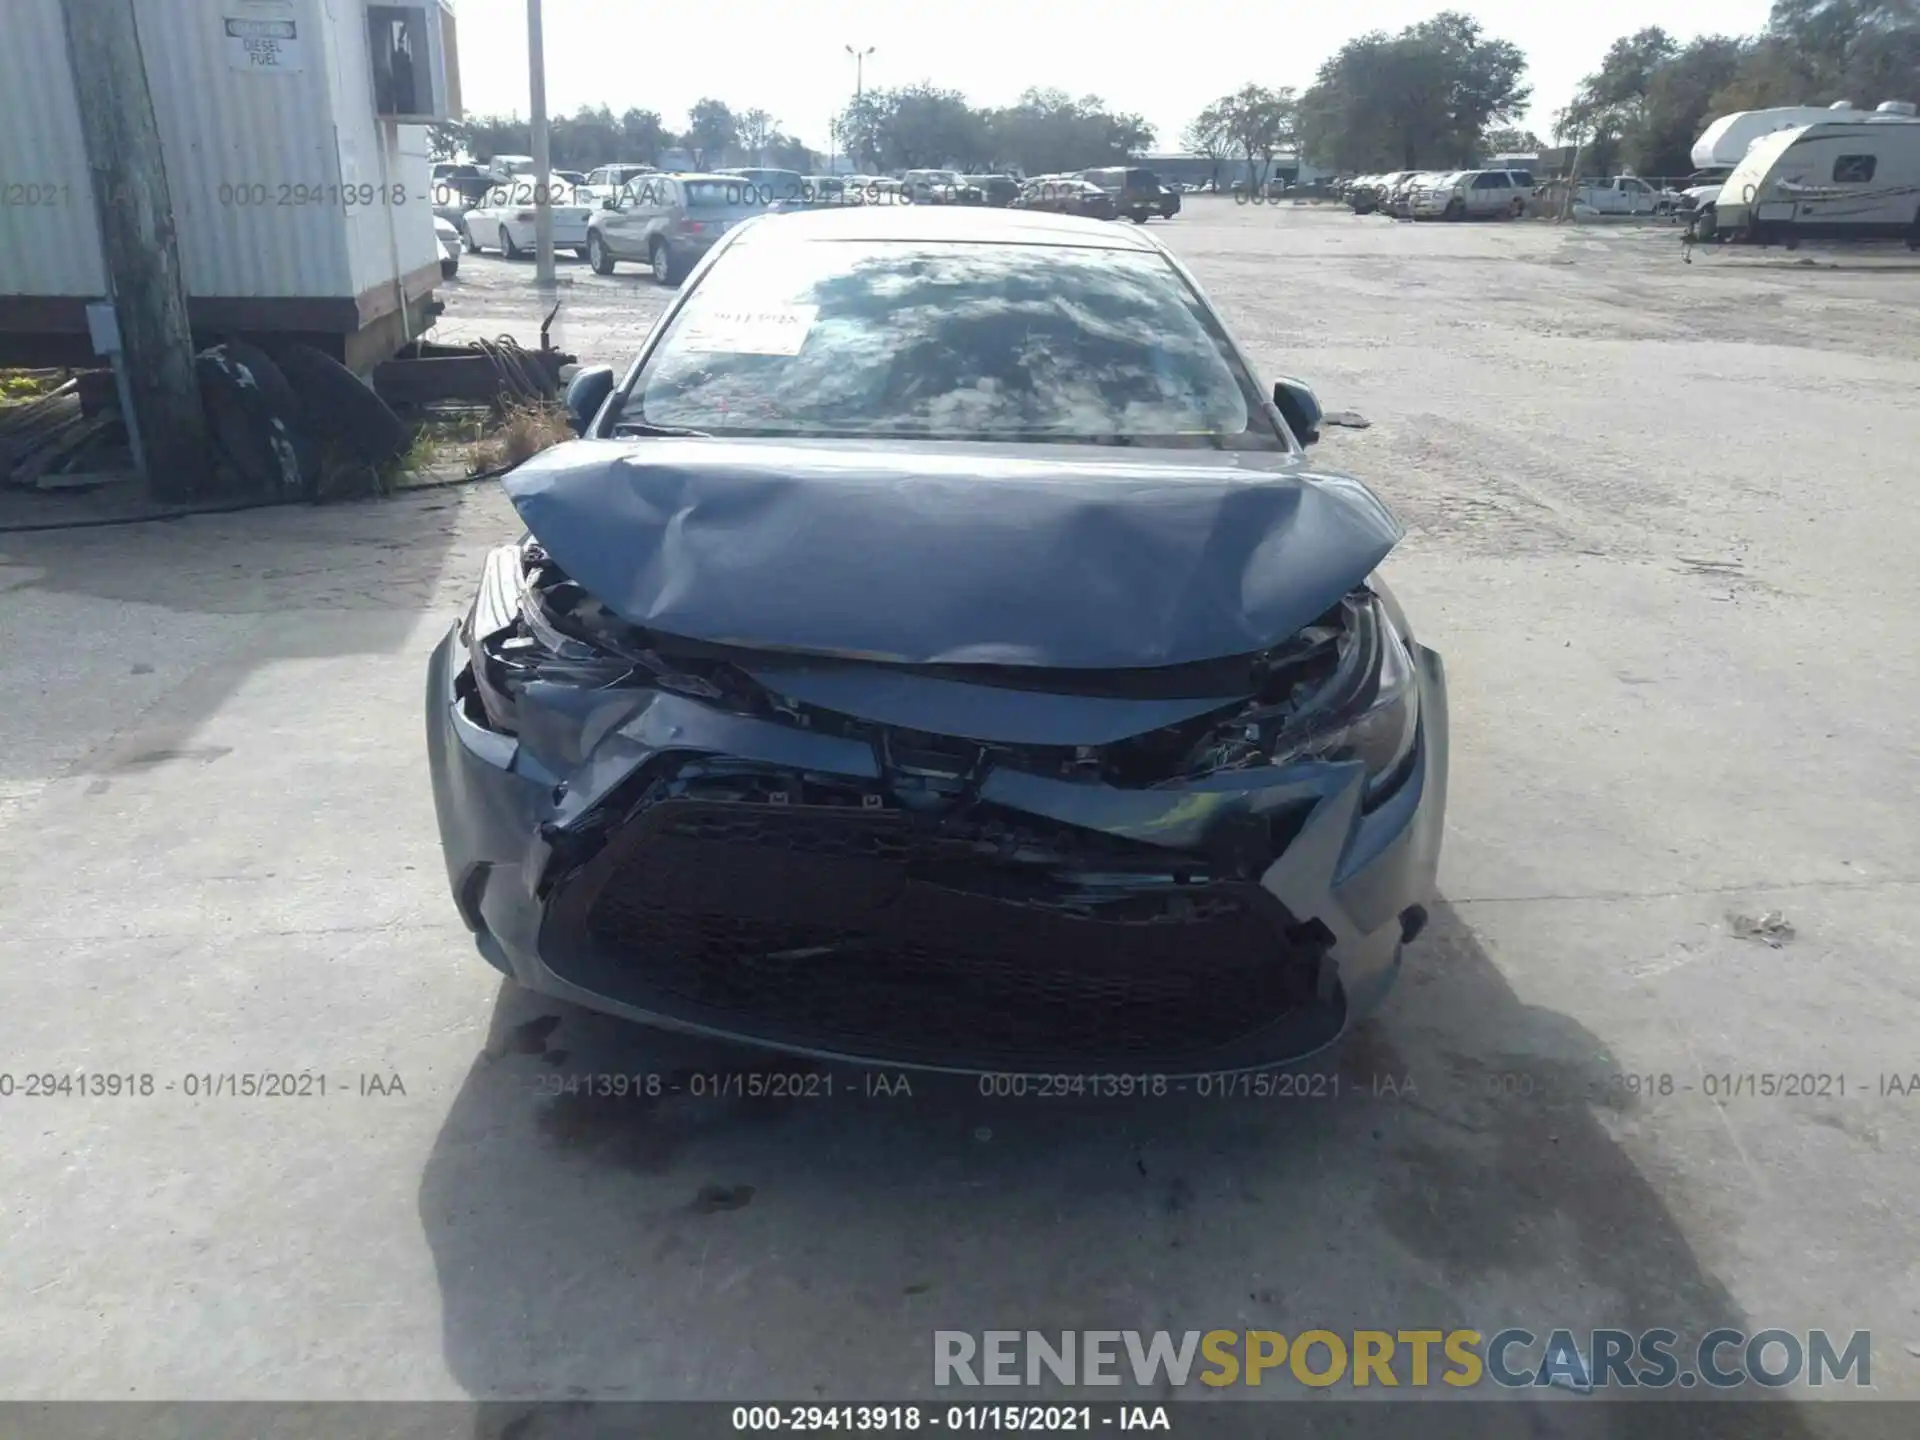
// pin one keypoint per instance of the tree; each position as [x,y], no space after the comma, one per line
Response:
[1046,131]
[758,132]
[1510,140]
[1259,122]
[1679,104]
[1863,50]
[1209,134]
[493,135]
[786,153]
[643,136]
[711,132]
[1410,101]
[1480,80]
[912,127]
[588,137]
[1610,104]
[446,140]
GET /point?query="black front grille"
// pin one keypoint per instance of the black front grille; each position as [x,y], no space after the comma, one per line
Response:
[846,927]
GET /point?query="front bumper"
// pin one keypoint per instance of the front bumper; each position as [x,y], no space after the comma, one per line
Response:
[857,932]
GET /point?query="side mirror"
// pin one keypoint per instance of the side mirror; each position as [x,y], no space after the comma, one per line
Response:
[1299,407]
[586,393]
[610,204]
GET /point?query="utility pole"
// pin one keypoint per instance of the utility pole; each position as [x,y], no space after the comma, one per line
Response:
[138,244]
[542,154]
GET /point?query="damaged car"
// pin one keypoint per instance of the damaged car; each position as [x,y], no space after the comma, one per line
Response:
[938,651]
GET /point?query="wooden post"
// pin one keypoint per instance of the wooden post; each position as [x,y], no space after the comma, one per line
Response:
[138,242]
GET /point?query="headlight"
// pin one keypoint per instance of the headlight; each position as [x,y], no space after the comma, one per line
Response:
[1344,689]
[1370,710]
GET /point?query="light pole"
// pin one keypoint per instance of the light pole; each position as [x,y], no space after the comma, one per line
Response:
[859,58]
[859,65]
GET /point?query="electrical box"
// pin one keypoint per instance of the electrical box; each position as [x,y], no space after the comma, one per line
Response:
[414,51]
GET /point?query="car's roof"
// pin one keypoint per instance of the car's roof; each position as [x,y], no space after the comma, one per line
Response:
[961,223]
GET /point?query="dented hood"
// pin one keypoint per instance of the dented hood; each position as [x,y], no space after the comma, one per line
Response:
[938,553]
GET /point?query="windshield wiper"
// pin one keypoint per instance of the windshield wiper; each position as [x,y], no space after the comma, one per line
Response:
[644,427]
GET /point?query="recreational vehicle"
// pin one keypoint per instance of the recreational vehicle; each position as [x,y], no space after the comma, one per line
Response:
[1845,177]
[1724,144]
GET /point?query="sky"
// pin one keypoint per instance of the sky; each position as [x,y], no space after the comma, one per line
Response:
[1163,61]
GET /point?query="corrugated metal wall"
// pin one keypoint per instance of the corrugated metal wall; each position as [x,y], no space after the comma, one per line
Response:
[239,145]
[49,240]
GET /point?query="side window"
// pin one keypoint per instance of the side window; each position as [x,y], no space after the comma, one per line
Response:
[1634,187]
[1853,169]
[1484,182]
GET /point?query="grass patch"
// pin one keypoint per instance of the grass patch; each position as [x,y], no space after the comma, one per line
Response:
[527,428]
[29,384]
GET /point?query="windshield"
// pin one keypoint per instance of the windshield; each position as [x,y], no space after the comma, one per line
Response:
[949,341]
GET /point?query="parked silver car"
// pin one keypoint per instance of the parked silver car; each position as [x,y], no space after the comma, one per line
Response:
[669,221]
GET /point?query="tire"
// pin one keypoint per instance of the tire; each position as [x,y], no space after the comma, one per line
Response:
[1518,210]
[666,270]
[581,251]
[508,249]
[449,267]
[1139,217]
[338,407]
[1913,235]
[252,430]
[1702,226]
[466,238]
[1456,210]
[598,256]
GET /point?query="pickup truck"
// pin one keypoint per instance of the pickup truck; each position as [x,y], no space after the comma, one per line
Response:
[1624,195]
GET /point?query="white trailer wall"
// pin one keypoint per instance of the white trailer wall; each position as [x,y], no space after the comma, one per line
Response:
[264,163]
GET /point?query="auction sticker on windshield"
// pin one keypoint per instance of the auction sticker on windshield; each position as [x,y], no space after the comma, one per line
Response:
[748,330]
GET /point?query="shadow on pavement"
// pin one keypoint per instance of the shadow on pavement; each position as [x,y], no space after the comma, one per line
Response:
[615,1248]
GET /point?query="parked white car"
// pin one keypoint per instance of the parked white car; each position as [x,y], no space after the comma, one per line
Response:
[1432,195]
[1623,195]
[607,181]
[448,234]
[1479,195]
[504,220]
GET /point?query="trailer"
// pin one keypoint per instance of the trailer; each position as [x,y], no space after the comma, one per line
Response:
[294,135]
[1852,177]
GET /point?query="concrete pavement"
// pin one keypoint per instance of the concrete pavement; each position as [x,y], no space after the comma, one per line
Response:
[1660,531]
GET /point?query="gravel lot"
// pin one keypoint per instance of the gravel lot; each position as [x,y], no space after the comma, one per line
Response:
[1661,531]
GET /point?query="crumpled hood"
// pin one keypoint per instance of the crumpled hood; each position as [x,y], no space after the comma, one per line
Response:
[936,553]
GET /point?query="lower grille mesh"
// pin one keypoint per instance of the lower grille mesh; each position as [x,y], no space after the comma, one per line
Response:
[850,926]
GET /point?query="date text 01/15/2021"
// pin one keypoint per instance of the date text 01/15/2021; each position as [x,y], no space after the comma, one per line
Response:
[197,1085]
[255,195]
[904,1419]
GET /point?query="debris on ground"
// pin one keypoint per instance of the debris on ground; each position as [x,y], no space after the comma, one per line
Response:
[1771,928]
[61,430]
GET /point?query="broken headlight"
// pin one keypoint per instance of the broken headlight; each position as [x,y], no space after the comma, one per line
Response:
[1345,690]
[531,623]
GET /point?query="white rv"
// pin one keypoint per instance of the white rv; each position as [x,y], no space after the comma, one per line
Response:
[1845,177]
[1724,144]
